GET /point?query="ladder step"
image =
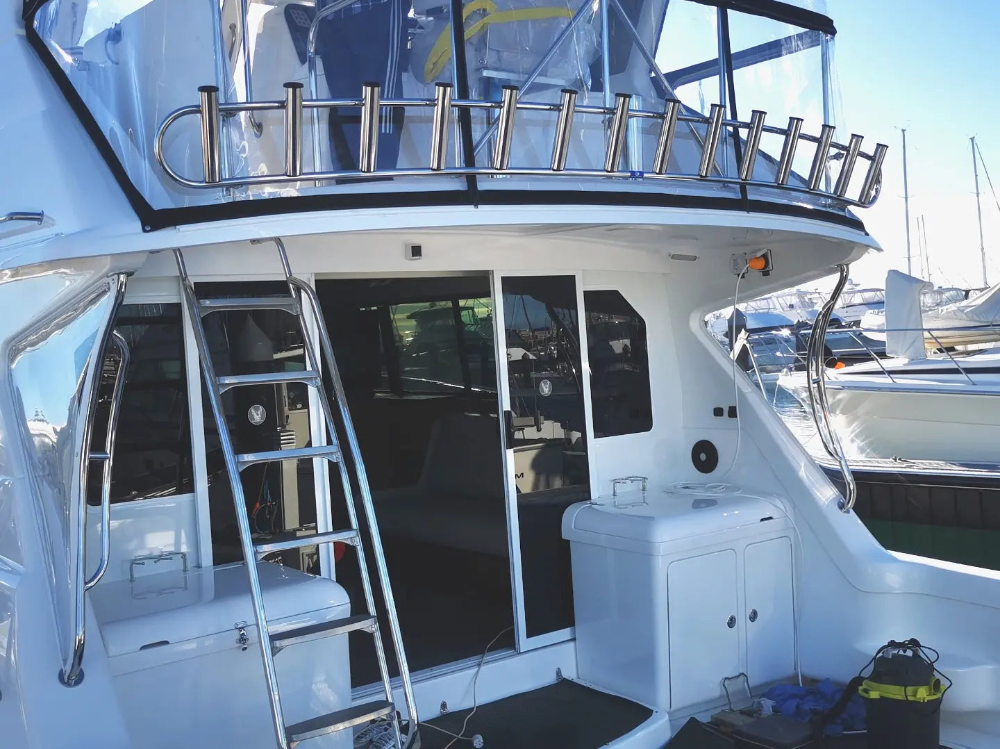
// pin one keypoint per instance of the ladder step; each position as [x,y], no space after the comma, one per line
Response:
[231,304]
[330,452]
[307,376]
[325,629]
[339,720]
[346,537]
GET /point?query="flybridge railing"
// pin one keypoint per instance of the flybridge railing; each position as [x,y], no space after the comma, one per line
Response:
[618,117]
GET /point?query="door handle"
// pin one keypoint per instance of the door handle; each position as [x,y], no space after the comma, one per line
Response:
[508,426]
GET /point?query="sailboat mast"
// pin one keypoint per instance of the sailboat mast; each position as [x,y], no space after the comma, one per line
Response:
[979,209]
[906,209]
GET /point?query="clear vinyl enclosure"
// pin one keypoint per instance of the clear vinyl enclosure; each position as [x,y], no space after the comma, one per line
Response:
[134,62]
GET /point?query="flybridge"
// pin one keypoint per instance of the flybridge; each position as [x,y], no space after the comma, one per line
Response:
[240,108]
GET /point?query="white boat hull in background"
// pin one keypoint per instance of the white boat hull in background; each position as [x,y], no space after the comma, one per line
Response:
[916,418]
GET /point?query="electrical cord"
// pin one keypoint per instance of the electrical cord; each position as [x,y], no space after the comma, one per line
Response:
[736,386]
[475,704]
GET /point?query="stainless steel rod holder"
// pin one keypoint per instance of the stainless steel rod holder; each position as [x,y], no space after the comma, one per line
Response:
[792,133]
[847,168]
[869,187]
[439,129]
[665,143]
[564,128]
[616,134]
[820,157]
[36,217]
[505,128]
[752,144]
[293,129]
[711,140]
[370,108]
[210,154]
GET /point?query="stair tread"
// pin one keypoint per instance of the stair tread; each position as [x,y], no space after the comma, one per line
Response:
[248,303]
[348,537]
[332,452]
[349,717]
[268,378]
[323,629]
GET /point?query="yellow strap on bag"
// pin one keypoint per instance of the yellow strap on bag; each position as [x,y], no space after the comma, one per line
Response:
[441,51]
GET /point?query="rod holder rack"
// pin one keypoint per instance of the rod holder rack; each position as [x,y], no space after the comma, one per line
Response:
[565,113]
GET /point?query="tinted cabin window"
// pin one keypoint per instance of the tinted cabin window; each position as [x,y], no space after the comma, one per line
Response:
[619,365]
[153,444]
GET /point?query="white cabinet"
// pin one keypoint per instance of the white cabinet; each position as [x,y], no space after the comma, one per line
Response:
[702,605]
[664,594]
[770,613]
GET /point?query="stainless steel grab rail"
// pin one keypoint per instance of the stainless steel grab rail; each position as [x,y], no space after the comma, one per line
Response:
[34,216]
[108,458]
[817,391]
[209,110]
[71,673]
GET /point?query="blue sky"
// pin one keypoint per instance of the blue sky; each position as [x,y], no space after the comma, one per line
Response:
[930,66]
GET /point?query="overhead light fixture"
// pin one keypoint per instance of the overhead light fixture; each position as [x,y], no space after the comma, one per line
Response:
[682,256]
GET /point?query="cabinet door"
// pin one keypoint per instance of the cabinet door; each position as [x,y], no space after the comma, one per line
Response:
[703,622]
[770,612]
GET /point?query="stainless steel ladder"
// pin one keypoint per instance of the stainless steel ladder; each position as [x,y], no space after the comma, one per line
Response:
[302,297]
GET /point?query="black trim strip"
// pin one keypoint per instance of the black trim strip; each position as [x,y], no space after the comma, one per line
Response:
[170,217]
[143,210]
[462,86]
[154,219]
[778,11]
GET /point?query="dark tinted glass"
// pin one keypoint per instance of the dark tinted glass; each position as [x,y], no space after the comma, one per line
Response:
[153,444]
[619,365]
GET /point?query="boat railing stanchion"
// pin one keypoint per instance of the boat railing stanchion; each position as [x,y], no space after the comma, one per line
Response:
[439,128]
[752,144]
[948,354]
[711,140]
[788,151]
[564,129]
[505,128]
[847,169]
[616,133]
[665,143]
[872,354]
[820,157]
[370,109]
[210,153]
[293,129]
[870,187]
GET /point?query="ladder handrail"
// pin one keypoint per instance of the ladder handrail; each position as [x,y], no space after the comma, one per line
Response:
[243,521]
[108,457]
[817,390]
[362,479]
[71,673]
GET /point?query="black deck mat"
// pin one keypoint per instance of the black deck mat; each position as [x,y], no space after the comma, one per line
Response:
[564,715]
[695,735]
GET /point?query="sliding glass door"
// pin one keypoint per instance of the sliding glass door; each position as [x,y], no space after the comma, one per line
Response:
[543,389]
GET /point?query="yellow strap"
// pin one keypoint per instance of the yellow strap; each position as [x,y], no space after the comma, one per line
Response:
[441,51]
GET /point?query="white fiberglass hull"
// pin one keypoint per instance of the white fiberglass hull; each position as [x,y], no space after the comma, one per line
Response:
[916,418]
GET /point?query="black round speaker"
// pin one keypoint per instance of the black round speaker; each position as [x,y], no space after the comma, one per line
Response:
[705,456]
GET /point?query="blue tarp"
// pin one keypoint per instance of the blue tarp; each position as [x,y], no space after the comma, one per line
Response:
[802,703]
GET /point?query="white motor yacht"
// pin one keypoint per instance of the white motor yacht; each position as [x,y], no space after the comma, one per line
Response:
[356,388]
[915,405]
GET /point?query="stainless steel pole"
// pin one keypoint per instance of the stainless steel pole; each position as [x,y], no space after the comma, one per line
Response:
[906,209]
[979,208]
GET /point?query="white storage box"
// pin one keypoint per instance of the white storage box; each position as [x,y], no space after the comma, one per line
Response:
[675,595]
[186,678]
